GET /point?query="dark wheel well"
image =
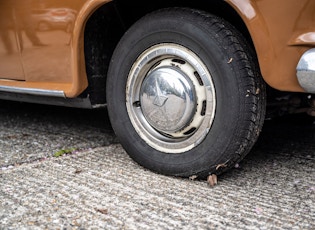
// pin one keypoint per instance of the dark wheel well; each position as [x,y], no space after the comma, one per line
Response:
[102,32]
[131,11]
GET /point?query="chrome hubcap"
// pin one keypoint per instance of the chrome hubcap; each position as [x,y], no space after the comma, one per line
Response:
[170,98]
[167,99]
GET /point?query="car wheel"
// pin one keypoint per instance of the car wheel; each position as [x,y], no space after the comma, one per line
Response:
[184,93]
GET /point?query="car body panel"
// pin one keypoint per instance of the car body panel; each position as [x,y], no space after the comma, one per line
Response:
[281,31]
[10,63]
[47,60]
[53,60]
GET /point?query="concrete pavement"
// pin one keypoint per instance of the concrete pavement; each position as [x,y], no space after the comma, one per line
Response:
[98,186]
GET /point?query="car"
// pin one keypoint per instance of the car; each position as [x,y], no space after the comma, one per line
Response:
[187,84]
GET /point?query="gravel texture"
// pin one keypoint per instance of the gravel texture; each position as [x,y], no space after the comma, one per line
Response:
[97,186]
[30,132]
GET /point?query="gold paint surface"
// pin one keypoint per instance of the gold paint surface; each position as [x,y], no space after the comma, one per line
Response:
[41,41]
[281,31]
[38,43]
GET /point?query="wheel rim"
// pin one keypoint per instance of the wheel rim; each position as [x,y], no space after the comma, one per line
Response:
[170,98]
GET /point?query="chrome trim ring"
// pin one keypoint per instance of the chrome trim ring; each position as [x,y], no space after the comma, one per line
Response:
[170,98]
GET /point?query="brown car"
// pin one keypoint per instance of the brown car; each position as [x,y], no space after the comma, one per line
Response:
[184,81]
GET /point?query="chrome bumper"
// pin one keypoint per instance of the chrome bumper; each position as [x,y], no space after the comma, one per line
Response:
[305,71]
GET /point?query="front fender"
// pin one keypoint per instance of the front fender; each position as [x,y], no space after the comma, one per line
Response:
[281,31]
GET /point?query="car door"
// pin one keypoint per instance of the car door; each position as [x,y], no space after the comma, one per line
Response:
[10,56]
[44,32]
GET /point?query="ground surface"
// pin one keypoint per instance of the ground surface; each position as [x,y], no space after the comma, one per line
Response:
[99,186]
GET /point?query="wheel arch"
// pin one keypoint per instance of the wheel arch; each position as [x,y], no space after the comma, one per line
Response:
[246,16]
[258,31]
[80,79]
[115,17]
[130,11]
